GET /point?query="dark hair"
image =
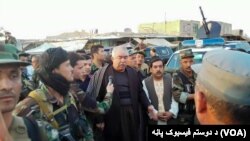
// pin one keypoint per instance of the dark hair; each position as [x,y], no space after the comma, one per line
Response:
[80,51]
[73,58]
[24,54]
[153,49]
[51,59]
[94,49]
[155,59]
[86,57]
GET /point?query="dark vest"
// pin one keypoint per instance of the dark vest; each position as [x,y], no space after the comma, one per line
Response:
[167,95]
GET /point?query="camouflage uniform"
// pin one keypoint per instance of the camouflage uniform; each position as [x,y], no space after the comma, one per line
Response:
[29,107]
[100,108]
[23,128]
[182,86]
[94,68]
[20,130]
[144,70]
[27,86]
[35,80]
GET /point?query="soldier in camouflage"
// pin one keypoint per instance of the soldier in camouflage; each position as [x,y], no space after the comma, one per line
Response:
[27,83]
[14,127]
[183,88]
[53,101]
[83,101]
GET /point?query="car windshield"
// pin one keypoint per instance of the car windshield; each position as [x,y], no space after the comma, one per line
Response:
[162,51]
[174,62]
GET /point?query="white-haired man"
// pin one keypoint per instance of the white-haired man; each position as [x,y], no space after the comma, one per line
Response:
[121,122]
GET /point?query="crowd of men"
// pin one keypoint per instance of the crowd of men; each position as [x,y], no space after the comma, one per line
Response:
[72,96]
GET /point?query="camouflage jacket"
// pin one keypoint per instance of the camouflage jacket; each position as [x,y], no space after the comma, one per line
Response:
[179,91]
[27,86]
[94,68]
[30,107]
[27,130]
[88,103]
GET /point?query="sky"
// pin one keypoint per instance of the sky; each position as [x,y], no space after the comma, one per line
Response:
[36,19]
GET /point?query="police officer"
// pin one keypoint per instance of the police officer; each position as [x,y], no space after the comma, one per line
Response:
[222,88]
[183,88]
[13,127]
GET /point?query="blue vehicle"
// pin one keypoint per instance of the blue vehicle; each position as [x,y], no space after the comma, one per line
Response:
[238,45]
[202,43]
[199,48]
[163,52]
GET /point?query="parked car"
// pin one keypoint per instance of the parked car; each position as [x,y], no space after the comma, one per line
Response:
[163,52]
[199,48]
[173,63]
[237,45]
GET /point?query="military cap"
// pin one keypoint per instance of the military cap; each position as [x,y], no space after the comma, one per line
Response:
[226,74]
[142,52]
[187,53]
[131,52]
[8,55]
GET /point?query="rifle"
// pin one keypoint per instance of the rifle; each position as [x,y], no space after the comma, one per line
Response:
[204,22]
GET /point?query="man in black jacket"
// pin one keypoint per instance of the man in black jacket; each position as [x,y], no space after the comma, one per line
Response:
[122,121]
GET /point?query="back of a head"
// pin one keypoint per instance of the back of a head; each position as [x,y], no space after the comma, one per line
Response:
[225,78]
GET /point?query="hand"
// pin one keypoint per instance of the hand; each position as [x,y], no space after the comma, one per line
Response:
[110,88]
[164,116]
[4,134]
[100,125]
[152,113]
